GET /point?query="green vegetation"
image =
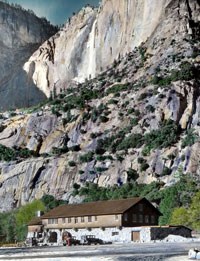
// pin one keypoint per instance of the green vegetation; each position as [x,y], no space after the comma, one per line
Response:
[132,175]
[132,141]
[8,154]
[190,138]
[103,158]
[98,112]
[116,88]
[188,216]
[169,199]
[186,72]
[164,137]
[72,163]
[142,52]
[50,202]
[13,225]
[179,203]
[89,156]
[59,151]
[24,215]
[166,171]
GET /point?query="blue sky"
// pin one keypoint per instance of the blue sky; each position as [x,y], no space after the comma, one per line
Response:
[56,11]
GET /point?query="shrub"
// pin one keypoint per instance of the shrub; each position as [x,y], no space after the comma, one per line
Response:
[142,51]
[76,186]
[132,141]
[58,151]
[101,169]
[8,154]
[186,72]
[116,88]
[104,118]
[190,138]
[72,163]
[75,148]
[97,112]
[134,121]
[113,101]
[119,157]
[93,135]
[161,138]
[137,113]
[144,166]
[103,158]
[143,96]
[150,108]
[141,160]
[131,110]
[132,174]
[87,157]
[166,171]
[180,216]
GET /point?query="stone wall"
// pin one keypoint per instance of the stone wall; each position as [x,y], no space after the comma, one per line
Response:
[117,234]
[113,234]
[159,233]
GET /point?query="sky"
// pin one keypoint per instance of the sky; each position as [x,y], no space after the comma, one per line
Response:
[56,11]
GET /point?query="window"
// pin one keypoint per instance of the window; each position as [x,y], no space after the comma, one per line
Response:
[146,219]
[89,219]
[69,220]
[116,217]
[115,233]
[134,218]
[140,218]
[153,219]
[75,220]
[95,218]
[53,221]
[140,207]
[63,220]
[126,217]
[82,219]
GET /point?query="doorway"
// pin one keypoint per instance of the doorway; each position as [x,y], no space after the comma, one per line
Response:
[53,237]
[135,236]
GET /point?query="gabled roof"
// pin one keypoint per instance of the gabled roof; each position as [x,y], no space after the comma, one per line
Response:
[35,221]
[108,207]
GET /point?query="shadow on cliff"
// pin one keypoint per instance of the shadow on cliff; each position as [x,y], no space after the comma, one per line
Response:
[19,91]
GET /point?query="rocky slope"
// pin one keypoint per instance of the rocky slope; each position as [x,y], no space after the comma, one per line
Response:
[136,121]
[21,34]
[93,39]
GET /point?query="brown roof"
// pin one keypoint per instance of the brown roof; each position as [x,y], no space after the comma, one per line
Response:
[108,207]
[35,221]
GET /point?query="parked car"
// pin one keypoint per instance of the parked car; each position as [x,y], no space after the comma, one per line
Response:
[90,239]
[32,241]
[71,241]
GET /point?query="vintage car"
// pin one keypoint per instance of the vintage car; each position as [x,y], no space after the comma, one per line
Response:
[90,239]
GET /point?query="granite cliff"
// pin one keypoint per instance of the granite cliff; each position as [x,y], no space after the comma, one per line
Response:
[137,119]
[21,33]
[93,39]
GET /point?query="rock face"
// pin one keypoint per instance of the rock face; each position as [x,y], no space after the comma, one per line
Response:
[93,39]
[21,33]
[138,120]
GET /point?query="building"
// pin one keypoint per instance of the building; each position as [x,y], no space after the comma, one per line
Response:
[112,220]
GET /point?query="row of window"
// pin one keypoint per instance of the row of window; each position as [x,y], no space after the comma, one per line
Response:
[148,219]
[136,218]
[75,220]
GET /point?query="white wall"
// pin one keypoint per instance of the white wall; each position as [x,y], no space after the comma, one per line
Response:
[124,234]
